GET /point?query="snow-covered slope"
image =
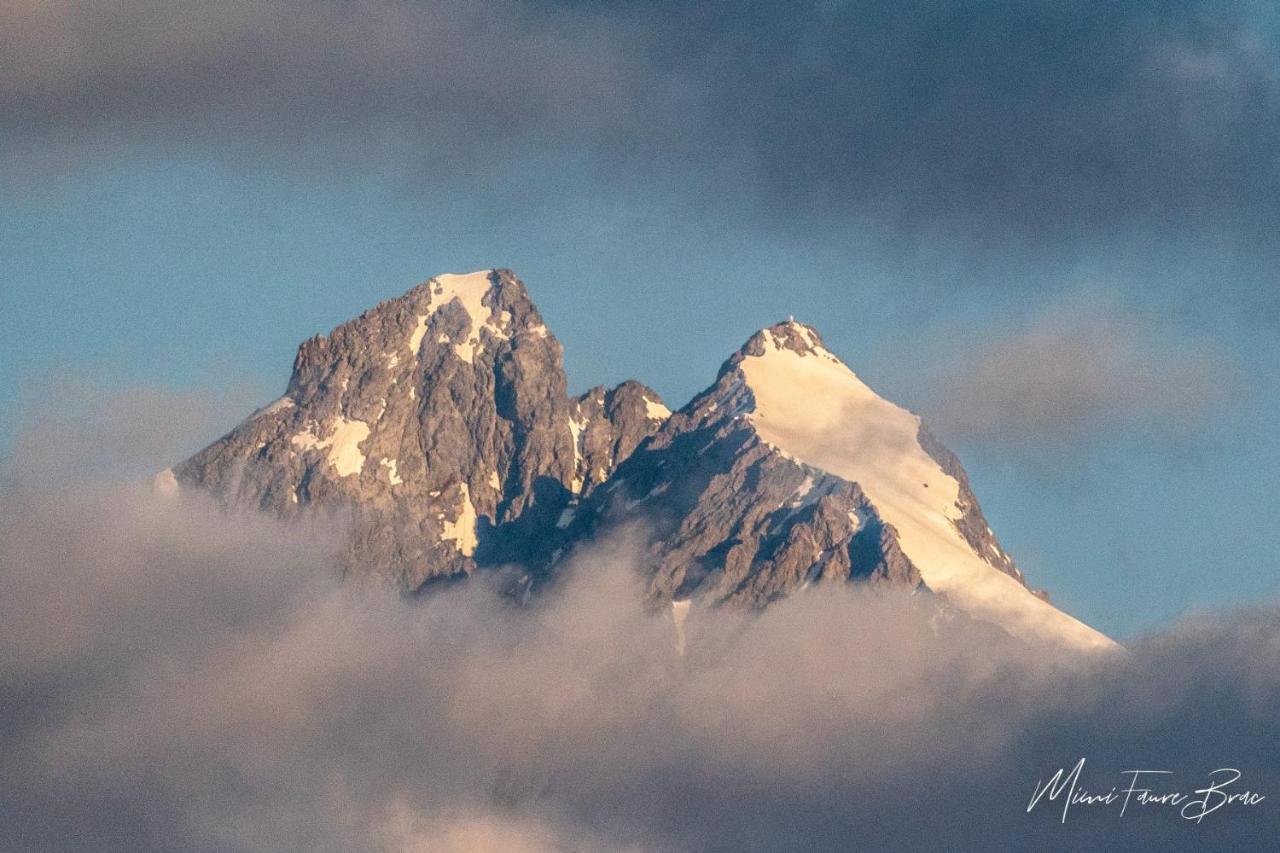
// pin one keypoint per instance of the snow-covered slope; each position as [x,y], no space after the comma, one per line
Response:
[789,472]
[809,405]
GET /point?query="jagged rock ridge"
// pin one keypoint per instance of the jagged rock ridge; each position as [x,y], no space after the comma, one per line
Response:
[441,422]
[789,470]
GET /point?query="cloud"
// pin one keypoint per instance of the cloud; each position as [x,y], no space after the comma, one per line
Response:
[1001,119]
[446,87]
[176,678]
[995,120]
[1079,369]
[68,427]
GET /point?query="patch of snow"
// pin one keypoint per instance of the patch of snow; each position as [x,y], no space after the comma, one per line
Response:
[814,572]
[390,465]
[575,431]
[345,454]
[655,411]
[343,445]
[419,332]
[469,290]
[462,531]
[494,481]
[803,489]
[656,490]
[392,361]
[566,517]
[679,613]
[285,402]
[307,440]
[819,412]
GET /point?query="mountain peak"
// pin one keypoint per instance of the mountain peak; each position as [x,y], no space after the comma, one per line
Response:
[790,468]
[790,334]
[818,412]
[469,315]
[440,422]
[470,288]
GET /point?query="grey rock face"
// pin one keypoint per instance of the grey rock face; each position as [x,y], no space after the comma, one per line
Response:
[608,425]
[440,422]
[735,520]
[738,521]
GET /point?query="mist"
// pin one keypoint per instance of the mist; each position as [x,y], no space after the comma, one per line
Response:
[177,676]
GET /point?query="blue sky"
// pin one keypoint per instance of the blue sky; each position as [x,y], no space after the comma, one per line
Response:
[183,206]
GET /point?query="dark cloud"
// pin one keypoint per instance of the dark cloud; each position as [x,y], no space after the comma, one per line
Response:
[1006,118]
[174,678]
[448,87]
[993,119]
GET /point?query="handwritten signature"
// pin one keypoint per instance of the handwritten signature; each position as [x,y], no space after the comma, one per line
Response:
[1193,805]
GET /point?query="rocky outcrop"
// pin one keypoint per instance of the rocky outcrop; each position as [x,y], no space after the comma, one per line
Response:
[608,425]
[734,520]
[440,423]
[788,472]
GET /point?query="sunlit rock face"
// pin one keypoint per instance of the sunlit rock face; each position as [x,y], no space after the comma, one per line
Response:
[440,424]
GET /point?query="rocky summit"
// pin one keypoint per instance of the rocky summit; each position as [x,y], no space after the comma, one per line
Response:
[440,422]
[789,471]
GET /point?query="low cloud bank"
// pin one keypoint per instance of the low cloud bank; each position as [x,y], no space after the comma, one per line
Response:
[174,677]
